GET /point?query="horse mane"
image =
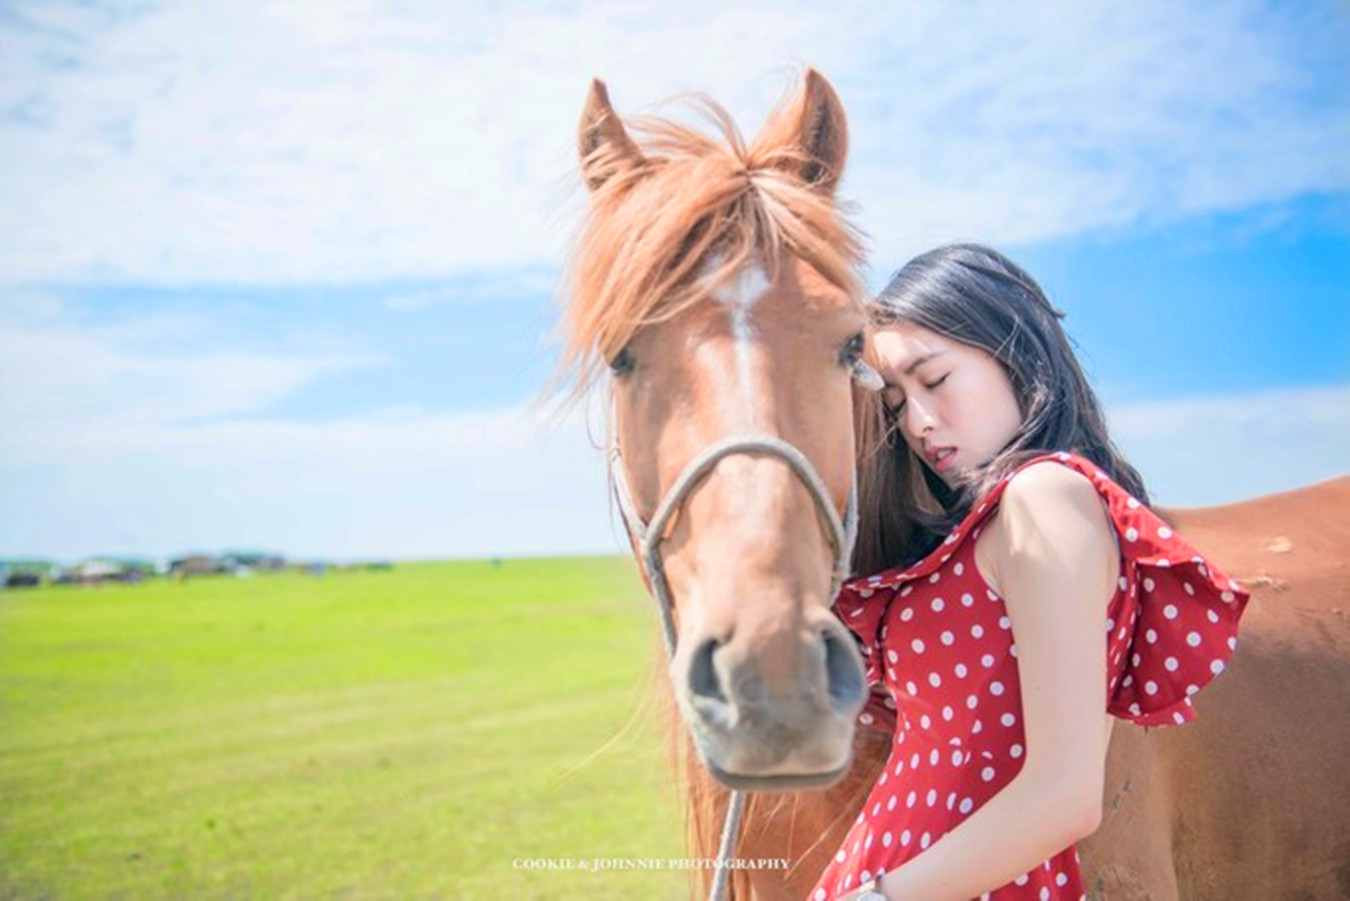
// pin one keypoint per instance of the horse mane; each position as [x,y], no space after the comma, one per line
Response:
[639,255]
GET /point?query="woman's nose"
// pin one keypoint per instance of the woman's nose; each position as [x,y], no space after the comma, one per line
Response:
[920,417]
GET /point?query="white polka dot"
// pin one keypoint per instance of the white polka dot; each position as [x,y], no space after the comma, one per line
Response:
[917,645]
[1134,708]
[1232,643]
[1123,583]
[840,856]
[1128,681]
[1188,588]
[1216,667]
[951,800]
[976,728]
[819,895]
[1021,880]
[925,840]
[1004,622]
[972,702]
[1193,639]
[948,638]
[961,670]
[1136,659]
[1007,719]
[905,592]
[959,568]
[1131,534]
[938,605]
[865,719]
[1191,689]
[911,688]
[907,614]
[1179,717]
[925,721]
[1170,611]
[957,756]
[1171,664]
[934,578]
[967,601]
[931,799]
[1061,879]
[948,714]
[892,657]
[867,874]
[1012,649]
[1015,751]
[1227,596]
[1164,562]
[965,805]
[977,631]
[1045,894]
[1110,624]
[934,679]
[1164,532]
[1150,636]
[1149,584]
[909,802]
[1212,616]
[996,688]
[987,660]
[890,805]
[904,838]
[1151,687]
[1132,503]
[885,840]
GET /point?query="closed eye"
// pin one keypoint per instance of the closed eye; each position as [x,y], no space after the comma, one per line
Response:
[899,408]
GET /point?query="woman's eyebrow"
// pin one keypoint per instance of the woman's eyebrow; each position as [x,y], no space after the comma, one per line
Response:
[923,359]
[915,365]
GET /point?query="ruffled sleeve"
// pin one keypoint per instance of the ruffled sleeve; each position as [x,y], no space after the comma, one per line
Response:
[1174,620]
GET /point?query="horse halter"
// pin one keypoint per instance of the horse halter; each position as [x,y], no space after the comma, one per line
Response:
[649,535]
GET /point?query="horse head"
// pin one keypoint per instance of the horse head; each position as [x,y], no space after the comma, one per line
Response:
[717,282]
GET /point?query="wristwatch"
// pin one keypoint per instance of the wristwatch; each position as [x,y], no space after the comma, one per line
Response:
[868,891]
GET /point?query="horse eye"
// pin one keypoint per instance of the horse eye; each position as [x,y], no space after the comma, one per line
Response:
[623,363]
[852,351]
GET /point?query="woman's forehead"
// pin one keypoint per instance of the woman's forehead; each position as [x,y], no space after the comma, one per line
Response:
[903,343]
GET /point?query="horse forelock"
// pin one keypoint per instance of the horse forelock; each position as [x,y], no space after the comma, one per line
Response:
[699,208]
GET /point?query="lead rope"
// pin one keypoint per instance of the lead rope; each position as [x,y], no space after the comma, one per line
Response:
[843,533]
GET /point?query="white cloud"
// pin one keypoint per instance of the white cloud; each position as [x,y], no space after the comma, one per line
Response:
[334,142]
[1218,449]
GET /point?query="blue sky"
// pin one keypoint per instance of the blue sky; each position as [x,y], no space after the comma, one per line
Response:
[284,278]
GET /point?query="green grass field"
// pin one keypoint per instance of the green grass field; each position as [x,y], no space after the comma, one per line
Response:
[405,734]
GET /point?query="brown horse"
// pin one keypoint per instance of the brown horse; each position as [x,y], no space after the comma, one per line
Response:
[717,281]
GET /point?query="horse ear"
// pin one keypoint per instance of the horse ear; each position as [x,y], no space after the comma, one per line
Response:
[810,137]
[605,147]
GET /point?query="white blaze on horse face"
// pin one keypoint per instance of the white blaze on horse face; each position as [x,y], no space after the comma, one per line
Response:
[739,296]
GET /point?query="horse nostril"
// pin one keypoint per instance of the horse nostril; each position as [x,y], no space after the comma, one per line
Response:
[703,679]
[843,674]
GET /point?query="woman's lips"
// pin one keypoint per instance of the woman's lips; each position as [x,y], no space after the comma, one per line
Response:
[942,457]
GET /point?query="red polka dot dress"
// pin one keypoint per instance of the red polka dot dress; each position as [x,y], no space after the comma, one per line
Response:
[941,657]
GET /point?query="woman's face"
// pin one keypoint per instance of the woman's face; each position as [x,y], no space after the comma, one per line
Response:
[954,403]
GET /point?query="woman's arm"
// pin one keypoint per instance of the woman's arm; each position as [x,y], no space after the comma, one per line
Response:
[1056,562]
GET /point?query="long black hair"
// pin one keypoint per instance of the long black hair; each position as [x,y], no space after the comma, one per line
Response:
[977,296]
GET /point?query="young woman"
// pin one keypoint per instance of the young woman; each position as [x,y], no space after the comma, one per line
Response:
[1020,594]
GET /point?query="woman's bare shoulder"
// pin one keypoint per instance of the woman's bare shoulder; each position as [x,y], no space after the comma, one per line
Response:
[1047,508]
